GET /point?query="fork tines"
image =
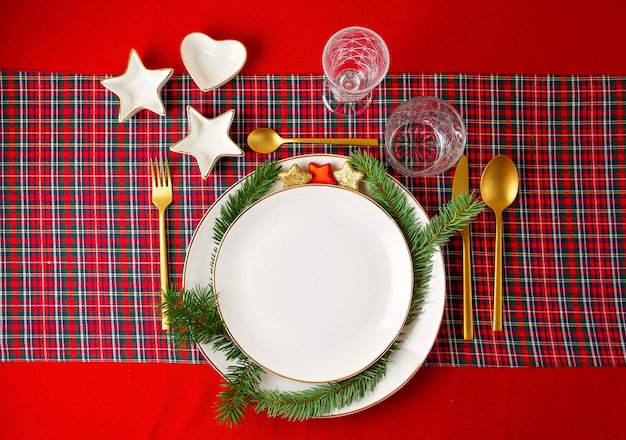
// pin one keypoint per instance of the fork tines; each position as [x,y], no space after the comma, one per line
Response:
[160,170]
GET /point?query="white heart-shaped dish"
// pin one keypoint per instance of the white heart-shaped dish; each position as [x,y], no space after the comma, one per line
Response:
[212,63]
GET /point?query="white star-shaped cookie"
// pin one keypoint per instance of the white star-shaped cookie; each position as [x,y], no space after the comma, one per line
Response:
[138,88]
[208,139]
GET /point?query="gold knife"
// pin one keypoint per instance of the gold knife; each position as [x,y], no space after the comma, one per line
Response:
[460,185]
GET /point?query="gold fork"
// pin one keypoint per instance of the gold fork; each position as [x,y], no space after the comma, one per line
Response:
[162,198]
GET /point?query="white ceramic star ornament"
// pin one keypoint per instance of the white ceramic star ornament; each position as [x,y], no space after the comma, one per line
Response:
[208,139]
[138,88]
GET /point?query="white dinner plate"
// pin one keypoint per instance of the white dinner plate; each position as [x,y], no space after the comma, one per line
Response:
[417,338]
[314,282]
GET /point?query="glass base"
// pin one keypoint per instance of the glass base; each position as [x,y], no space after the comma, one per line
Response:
[344,109]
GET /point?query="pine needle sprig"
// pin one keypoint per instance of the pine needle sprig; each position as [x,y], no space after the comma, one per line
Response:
[452,217]
[193,315]
[322,399]
[422,242]
[385,191]
[251,190]
[195,319]
[244,378]
[241,383]
[393,199]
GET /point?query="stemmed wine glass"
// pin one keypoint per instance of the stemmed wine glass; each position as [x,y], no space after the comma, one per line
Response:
[355,61]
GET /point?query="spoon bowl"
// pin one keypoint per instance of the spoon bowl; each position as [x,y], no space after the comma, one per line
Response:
[498,187]
[499,183]
[266,140]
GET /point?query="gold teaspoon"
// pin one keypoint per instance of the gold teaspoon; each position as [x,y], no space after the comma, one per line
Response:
[266,140]
[498,188]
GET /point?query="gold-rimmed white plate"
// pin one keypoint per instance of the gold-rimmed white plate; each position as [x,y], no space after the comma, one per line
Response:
[417,338]
[314,282]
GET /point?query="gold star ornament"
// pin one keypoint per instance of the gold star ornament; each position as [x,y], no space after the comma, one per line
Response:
[348,177]
[294,176]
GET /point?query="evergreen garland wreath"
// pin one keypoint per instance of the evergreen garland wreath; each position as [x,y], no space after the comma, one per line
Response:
[195,318]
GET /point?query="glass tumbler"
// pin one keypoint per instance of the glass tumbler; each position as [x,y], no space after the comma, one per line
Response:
[424,136]
[355,60]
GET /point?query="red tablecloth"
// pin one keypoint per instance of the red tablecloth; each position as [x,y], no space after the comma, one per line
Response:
[154,400]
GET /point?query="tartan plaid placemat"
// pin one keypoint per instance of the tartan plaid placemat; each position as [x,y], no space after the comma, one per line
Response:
[79,276]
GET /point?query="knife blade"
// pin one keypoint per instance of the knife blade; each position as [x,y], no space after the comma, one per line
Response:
[460,185]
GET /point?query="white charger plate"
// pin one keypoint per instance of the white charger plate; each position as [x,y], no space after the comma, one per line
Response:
[314,282]
[418,338]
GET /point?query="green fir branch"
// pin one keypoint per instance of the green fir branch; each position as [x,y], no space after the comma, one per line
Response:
[387,193]
[393,199]
[244,378]
[322,399]
[241,383]
[194,318]
[422,241]
[251,190]
[452,217]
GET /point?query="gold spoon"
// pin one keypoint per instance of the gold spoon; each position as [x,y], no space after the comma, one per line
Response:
[266,140]
[498,188]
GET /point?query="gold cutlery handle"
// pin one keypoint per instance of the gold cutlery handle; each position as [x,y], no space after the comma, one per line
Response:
[165,324]
[497,279]
[338,141]
[468,323]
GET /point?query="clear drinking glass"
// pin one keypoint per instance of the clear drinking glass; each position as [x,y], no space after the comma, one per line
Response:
[424,136]
[355,61]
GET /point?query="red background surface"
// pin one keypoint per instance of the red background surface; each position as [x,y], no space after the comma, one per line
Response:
[129,400]
[158,401]
[286,36]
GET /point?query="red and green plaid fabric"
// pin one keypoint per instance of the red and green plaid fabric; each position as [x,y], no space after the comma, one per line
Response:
[79,244]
